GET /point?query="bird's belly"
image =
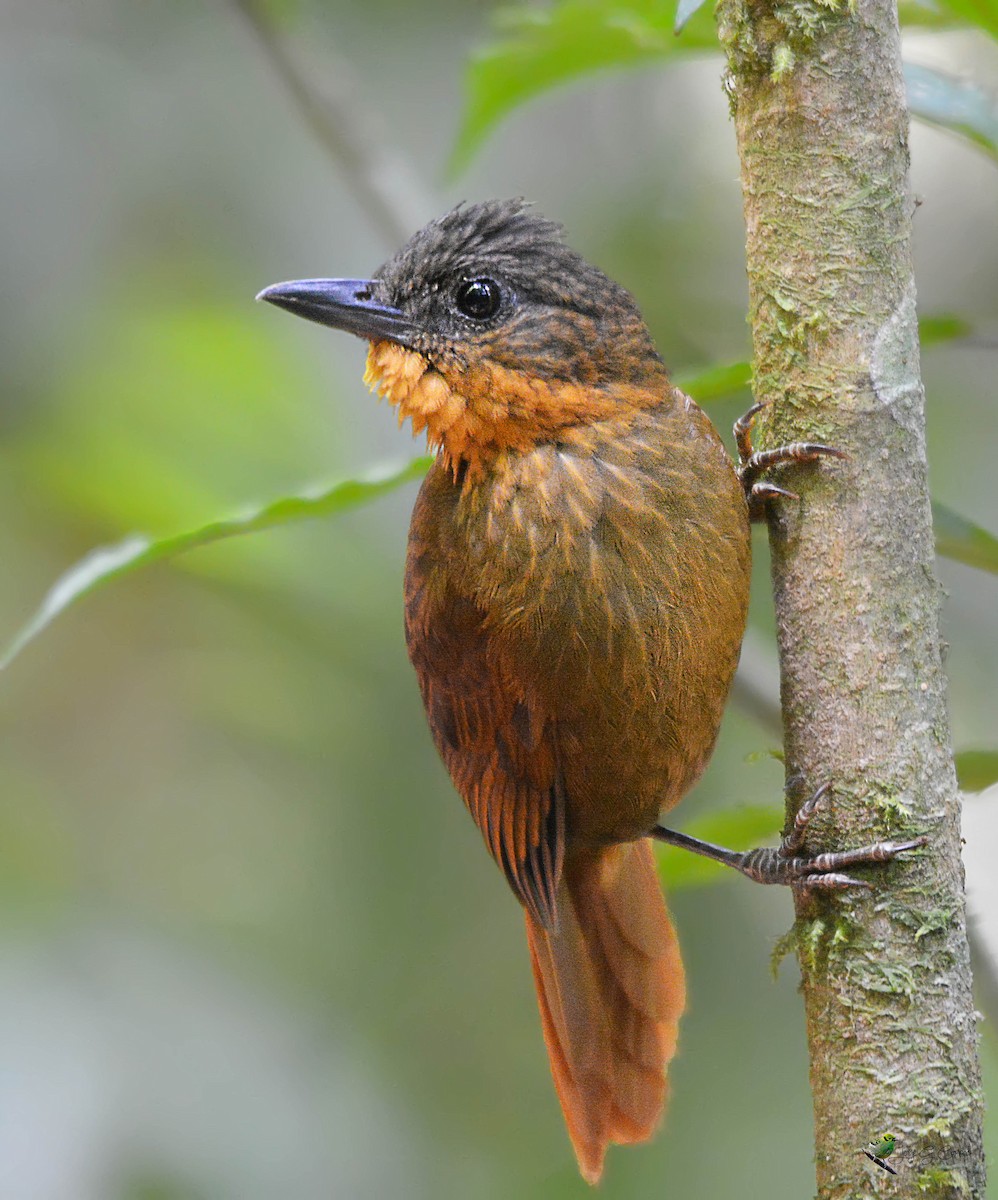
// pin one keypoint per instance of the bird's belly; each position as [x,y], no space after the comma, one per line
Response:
[636,666]
[636,727]
[614,571]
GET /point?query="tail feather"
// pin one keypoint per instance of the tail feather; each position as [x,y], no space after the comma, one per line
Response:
[610,988]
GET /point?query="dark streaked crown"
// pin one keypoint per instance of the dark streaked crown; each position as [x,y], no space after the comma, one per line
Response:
[558,315]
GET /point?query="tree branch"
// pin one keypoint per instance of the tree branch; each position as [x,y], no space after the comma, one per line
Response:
[822,130]
[382,179]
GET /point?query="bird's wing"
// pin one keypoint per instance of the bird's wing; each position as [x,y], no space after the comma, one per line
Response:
[493,735]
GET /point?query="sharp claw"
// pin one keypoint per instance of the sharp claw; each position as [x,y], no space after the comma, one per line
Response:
[795,838]
[766,491]
[831,881]
[748,416]
[817,449]
[813,803]
[893,848]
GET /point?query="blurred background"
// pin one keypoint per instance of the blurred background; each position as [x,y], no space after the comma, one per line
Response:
[250,945]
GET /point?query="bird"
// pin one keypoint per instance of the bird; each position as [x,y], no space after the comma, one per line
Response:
[576,590]
[880,1148]
[883,1145]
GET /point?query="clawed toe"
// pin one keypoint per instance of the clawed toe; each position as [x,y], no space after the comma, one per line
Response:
[825,871]
[831,881]
[752,463]
[794,840]
[784,864]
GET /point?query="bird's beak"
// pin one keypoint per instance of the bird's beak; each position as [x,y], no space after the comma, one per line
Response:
[344,304]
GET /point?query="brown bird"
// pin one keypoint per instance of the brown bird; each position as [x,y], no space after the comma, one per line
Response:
[575,598]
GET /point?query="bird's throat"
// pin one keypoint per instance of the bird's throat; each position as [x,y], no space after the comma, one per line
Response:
[472,415]
[420,394]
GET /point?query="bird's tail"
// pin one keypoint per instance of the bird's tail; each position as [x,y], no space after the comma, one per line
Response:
[611,989]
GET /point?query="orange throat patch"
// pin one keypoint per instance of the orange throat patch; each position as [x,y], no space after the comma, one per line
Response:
[475,414]
[420,394]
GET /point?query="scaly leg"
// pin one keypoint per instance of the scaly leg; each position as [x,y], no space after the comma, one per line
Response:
[752,463]
[784,864]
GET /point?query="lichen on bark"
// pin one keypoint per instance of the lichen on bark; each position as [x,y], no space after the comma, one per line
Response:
[818,104]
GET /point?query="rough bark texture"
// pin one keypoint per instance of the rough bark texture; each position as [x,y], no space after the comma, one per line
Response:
[822,128]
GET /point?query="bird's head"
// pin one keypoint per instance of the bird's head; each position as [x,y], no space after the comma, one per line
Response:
[490,333]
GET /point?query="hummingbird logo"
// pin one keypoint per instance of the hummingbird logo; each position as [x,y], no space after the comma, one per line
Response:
[880,1149]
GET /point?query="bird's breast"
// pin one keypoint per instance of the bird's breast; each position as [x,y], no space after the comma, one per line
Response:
[612,566]
[617,526]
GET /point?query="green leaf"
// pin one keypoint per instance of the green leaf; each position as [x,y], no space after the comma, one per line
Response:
[769,754]
[915,14]
[542,47]
[111,562]
[716,383]
[982,13]
[954,104]
[963,541]
[977,769]
[943,328]
[738,828]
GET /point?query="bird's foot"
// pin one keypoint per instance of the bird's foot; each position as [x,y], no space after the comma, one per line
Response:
[784,864]
[752,463]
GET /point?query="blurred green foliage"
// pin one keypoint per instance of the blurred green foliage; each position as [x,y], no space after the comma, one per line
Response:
[954,103]
[962,540]
[977,769]
[250,944]
[540,47]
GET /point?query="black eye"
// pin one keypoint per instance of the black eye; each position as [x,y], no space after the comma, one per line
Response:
[479,299]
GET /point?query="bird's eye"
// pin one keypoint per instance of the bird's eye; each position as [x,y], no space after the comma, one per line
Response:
[479,299]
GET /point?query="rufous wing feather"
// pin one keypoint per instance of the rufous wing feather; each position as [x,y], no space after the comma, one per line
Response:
[493,734]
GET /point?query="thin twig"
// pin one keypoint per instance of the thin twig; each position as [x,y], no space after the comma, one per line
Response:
[383,181]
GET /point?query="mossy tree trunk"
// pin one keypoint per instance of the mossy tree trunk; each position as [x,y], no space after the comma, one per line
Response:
[822,128]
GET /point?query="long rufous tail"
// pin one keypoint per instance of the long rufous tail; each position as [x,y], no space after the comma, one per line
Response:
[611,989]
